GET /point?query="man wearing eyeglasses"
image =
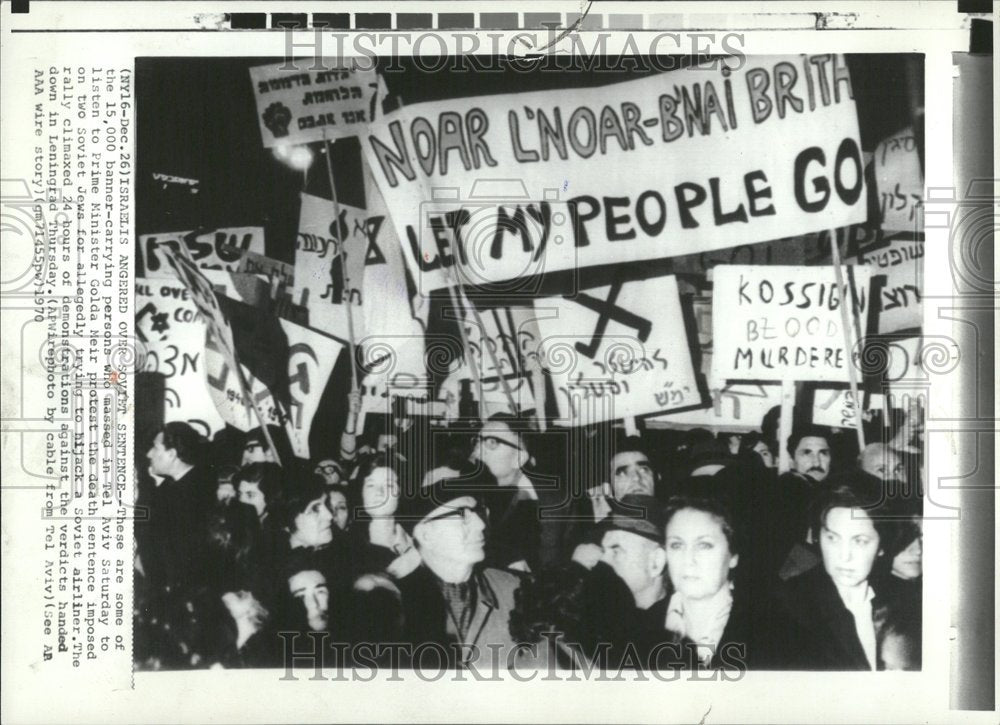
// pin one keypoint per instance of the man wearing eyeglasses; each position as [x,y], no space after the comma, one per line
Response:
[453,600]
[513,506]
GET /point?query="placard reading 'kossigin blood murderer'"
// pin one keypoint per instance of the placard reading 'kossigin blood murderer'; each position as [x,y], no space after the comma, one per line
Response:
[783,322]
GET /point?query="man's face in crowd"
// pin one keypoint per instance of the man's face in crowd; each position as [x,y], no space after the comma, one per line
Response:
[160,459]
[698,556]
[338,507]
[849,544]
[631,472]
[330,471]
[255,452]
[882,462]
[637,561]
[310,588]
[499,449]
[380,492]
[454,532]
[251,495]
[386,442]
[812,458]
[314,526]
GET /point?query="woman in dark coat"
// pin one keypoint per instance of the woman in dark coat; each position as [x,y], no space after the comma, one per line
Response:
[828,618]
[711,614]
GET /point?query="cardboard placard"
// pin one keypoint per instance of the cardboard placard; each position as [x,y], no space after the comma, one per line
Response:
[783,322]
[608,360]
[300,106]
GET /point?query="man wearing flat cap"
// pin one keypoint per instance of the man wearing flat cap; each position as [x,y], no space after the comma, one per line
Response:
[452,601]
[612,611]
[633,544]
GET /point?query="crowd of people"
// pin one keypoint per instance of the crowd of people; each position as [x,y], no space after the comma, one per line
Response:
[502,546]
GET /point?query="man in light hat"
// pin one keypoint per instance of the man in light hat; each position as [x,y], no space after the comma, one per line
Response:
[452,600]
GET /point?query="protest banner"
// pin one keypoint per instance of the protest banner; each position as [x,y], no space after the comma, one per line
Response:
[783,323]
[900,182]
[171,333]
[201,293]
[736,407]
[311,358]
[667,165]
[897,276]
[802,249]
[318,286]
[219,249]
[607,360]
[837,408]
[301,106]
[252,289]
[392,330]
[280,273]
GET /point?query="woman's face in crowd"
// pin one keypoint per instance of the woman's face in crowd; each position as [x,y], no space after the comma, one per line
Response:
[698,555]
[849,544]
[338,507]
[762,450]
[309,587]
[380,492]
[909,563]
[314,526]
[251,495]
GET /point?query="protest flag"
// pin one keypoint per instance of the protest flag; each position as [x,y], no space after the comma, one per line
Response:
[219,334]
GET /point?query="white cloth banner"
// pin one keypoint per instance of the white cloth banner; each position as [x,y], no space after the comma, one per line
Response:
[490,189]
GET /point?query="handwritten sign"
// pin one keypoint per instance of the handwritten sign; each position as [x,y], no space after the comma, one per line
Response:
[311,359]
[393,343]
[272,269]
[618,351]
[783,322]
[900,182]
[737,407]
[296,107]
[213,249]
[836,408]
[672,164]
[171,333]
[319,284]
[897,270]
